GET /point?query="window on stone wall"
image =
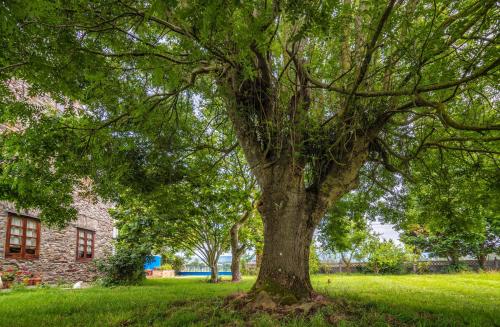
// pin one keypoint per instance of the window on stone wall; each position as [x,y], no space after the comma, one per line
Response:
[23,237]
[85,244]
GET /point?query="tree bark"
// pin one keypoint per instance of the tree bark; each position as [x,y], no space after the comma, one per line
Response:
[214,273]
[288,232]
[347,263]
[285,262]
[237,250]
[235,267]
[481,261]
[290,211]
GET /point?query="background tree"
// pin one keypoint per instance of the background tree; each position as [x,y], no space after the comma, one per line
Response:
[314,93]
[485,242]
[201,224]
[246,230]
[416,239]
[344,230]
[451,209]
[246,234]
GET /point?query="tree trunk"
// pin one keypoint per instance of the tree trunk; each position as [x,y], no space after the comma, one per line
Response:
[235,267]
[481,261]
[290,215]
[347,263]
[214,273]
[454,258]
[288,232]
[236,249]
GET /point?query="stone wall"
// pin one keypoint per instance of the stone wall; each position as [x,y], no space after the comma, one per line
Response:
[57,259]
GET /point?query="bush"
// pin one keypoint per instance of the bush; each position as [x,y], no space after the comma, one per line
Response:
[313,260]
[248,269]
[176,262]
[386,258]
[423,267]
[126,267]
[166,267]
[324,268]
[458,267]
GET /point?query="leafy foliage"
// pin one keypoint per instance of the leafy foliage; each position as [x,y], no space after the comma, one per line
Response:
[452,212]
[313,260]
[174,261]
[344,230]
[385,257]
[125,267]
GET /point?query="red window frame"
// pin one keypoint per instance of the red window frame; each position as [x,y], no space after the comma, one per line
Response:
[22,254]
[83,234]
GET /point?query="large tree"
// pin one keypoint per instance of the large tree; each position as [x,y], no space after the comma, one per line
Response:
[316,91]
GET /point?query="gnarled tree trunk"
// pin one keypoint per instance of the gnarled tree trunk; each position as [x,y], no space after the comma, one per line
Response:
[275,146]
[285,262]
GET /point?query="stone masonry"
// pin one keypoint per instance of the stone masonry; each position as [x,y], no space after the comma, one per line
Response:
[57,260]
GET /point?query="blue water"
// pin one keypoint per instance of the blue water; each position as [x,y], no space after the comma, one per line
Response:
[153,262]
[202,273]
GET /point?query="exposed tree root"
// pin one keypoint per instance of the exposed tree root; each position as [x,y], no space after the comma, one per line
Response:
[263,302]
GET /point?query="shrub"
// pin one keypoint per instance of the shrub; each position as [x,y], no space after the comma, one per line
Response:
[313,260]
[457,267]
[9,275]
[249,270]
[386,258]
[324,268]
[166,267]
[126,267]
[423,267]
[177,262]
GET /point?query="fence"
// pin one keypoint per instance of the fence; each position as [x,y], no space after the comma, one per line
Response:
[205,268]
[433,266]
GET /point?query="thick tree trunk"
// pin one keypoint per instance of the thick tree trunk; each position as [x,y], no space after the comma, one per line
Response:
[288,232]
[290,215]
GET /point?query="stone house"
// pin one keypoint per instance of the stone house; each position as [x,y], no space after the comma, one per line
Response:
[54,254]
[65,254]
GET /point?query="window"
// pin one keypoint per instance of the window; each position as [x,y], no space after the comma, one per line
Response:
[23,237]
[85,244]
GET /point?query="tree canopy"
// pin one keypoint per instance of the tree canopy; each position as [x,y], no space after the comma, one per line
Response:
[315,92]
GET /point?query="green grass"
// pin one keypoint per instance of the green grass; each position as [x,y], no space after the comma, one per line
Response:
[358,300]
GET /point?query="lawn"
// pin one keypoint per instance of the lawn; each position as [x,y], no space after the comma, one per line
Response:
[358,300]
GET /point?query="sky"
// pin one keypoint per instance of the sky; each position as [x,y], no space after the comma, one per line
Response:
[386,231]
